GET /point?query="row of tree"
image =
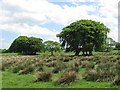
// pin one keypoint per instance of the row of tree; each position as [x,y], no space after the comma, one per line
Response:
[31,45]
[82,35]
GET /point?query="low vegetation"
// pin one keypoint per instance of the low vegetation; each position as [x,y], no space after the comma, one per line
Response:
[59,72]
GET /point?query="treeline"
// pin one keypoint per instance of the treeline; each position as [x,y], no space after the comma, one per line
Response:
[80,36]
[31,45]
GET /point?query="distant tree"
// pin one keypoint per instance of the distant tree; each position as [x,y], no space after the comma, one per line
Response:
[117,46]
[51,46]
[110,44]
[4,50]
[84,35]
[26,45]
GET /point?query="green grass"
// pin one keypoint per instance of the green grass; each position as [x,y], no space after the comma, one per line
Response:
[0,79]
[12,80]
[55,53]
[46,53]
[8,54]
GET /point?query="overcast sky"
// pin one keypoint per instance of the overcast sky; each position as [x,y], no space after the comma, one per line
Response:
[46,18]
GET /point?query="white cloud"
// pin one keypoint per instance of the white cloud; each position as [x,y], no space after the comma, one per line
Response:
[24,29]
[26,17]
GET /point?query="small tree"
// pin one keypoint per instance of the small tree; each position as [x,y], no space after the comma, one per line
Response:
[51,46]
[26,45]
[110,43]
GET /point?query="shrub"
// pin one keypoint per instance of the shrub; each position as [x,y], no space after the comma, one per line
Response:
[106,71]
[6,65]
[52,64]
[43,76]
[116,80]
[73,67]
[67,78]
[115,69]
[38,68]
[87,64]
[26,70]
[101,72]
[104,67]
[105,76]
[59,67]
[56,70]
[39,63]
[91,75]
[16,69]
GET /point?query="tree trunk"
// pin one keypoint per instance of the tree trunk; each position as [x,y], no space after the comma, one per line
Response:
[77,52]
[83,53]
[90,53]
[86,53]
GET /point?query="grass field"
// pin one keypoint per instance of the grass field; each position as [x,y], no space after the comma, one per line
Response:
[12,79]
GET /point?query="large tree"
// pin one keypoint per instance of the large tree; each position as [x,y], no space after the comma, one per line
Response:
[26,45]
[51,46]
[84,35]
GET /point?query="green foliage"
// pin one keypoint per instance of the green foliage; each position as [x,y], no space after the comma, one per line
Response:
[26,45]
[109,46]
[4,51]
[16,69]
[83,35]
[51,46]
[117,46]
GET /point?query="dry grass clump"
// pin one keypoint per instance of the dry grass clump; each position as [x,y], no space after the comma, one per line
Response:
[87,64]
[116,80]
[59,67]
[43,76]
[73,67]
[103,72]
[98,68]
[67,59]
[52,64]
[91,75]
[67,78]
[26,70]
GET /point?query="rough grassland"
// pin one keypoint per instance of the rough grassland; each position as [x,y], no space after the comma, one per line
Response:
[11,80]
[14,80]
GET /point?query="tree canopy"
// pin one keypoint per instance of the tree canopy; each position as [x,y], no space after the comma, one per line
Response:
[51,46]
[117,46]
[84,35]
[26,45]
